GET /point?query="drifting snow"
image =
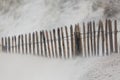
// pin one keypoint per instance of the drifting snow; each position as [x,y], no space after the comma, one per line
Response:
[19,67]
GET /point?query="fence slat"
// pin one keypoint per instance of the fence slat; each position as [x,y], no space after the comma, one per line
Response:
[22,39]
[55,45]
[63,42]
[9,50]
[30,43]
[19,44]
[88,44]
[84,38]
[2,43]
[72,44]
[98,38]
[5,44]
[48,44]
[102,33]
[106,35]
[59,43]
[94,34]
[33,39]
[26,44]
[115,36]
[51,43]
[110,36]
[91,39]
[44,42]
[41,42]
[37,43]
[68,52]
[15,44]
[12,44]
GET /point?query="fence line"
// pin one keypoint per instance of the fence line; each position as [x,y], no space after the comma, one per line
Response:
[88,40]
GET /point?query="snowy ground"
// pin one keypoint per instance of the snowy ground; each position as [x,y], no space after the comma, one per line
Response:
[26,67]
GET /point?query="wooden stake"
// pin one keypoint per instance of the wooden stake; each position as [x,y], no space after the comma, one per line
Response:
[51,43]
[84,38]
[48,45]
[19,44]
[72,37]
[26,44]
[22,39]
[37,42]
[33,36]
[106,35]
[41,42]
[55,45]
[63,42]
[44,42]
[67,41]
[115,37]
[30,43]
[59,43]
[94,37]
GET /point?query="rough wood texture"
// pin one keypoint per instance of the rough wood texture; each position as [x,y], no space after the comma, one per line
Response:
[15,44]
[37,42]
[94,34]
[29,42]
[26,48]
[84,38]
[110,36]
[41,43]
[5,47]
[55,44]
[22,39]
[98,38]
[106,36]
[91,41]
[68,52]
[102,33]
[2,43]
[44,42]
[19,44]
[63,42]
[115,36]
[48,44]
[72,38]
[51,39]
[88,43]
[33,39]
[9,45]
[59,43]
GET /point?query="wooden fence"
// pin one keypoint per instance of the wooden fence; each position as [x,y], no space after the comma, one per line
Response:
[90,39]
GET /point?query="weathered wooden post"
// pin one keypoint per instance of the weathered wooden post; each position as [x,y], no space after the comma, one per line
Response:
[68,52]
[44,42]
[55,45]
[51,43]
[2,44]
[22,40]
[72,39]
[84,38]
[37,42]
[94,37]
[78,41]
[6,44]
[19,44]
[48,44]
[59,43]
[63,42]
[26,48]
[9,45]
[102,33]
[115,36]
[106,35]
[41,42]
[110,35]
[88,43]
[33,41]
[15,44]
[98,37]
[91,39]
[29,42]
